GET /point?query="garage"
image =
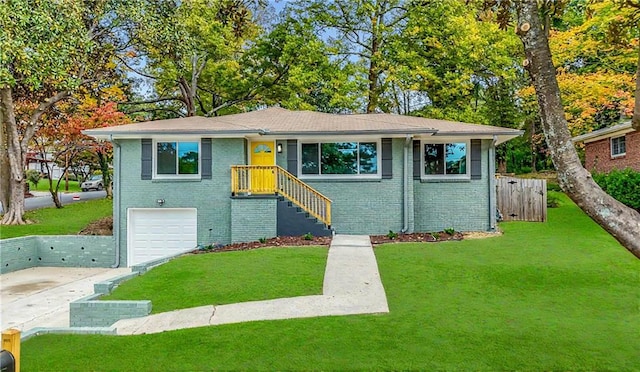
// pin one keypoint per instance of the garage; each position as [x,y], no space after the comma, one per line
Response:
[160,232]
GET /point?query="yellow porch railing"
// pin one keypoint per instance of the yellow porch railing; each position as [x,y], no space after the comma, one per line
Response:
[272,179]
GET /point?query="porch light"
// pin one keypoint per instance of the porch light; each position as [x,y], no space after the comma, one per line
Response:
[279,148]
[160,202]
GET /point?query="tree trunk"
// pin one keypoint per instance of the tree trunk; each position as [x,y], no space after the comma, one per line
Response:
[54,190]
[103,160]
[635,122]
[5,169]
[374,90]
[16,151]
[619,220]
[15,158]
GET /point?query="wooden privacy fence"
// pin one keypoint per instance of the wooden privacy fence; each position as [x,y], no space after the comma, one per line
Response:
[522,199]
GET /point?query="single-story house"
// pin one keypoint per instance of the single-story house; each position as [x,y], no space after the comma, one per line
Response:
[615,147]
[275,172]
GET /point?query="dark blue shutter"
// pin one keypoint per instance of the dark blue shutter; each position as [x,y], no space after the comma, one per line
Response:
[476,159]
[292,157]
[147,158]
[387,158]
[417,154]
[207,161]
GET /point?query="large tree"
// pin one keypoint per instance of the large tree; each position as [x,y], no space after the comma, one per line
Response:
[362,30]
[47,50]
[189,52]
[620,221]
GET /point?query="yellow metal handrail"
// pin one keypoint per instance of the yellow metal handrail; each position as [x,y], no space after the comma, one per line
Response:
[272,179]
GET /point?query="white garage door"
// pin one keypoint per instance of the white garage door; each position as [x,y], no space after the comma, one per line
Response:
[160,232]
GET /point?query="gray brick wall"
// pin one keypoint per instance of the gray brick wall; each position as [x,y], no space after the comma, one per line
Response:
[253,218]
[366,206]
[359,207]
[210,197]
[18,253]
[76,251]
[57,251]
[91,312]
[459,204]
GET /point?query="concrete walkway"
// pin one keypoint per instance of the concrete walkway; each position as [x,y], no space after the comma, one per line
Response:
[40,296]
[351,286]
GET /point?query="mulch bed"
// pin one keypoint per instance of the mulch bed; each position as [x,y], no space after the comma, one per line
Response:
[279,241]
[103,226]
[440,236]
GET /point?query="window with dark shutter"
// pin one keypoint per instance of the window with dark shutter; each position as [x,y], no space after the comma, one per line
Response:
[476,159]
[387,158]
[417,158]
[147,158]
[207,159]
[292,157]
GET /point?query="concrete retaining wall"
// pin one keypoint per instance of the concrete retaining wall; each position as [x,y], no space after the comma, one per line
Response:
[91,312]
[56,250]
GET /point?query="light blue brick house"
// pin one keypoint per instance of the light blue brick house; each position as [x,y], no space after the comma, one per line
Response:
[188,181]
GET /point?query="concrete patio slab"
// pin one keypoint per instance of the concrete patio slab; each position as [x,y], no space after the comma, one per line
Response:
[40,296]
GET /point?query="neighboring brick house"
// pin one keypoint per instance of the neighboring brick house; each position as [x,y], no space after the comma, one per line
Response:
[273,172]
[616,147]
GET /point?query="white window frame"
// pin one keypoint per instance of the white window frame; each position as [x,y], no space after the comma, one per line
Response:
[611,146]
[176,176]
[437,141]
[377,175]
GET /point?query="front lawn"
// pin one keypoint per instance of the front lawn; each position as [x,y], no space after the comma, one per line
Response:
[43,185]
[229,277]
[561,295]
[65,221]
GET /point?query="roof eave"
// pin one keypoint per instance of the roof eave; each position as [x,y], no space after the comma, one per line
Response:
[603,133]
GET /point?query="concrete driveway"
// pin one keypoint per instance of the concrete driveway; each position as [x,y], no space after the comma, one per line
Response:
[40,296]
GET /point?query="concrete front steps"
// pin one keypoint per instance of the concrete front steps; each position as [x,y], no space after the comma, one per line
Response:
[294,221]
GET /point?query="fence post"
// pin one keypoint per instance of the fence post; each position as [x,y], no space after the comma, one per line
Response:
[11,343]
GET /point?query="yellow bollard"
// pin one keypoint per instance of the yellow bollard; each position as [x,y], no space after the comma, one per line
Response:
[11,343]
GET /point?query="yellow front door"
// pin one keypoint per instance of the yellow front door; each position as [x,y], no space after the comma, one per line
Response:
[263,180]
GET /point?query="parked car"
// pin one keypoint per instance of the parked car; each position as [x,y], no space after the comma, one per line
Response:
[95,182]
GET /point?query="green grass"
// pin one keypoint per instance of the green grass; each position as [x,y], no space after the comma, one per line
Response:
[230,277]
[559,296]
[43,185]
[52,221]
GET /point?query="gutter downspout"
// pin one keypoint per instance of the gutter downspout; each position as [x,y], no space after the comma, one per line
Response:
[116,201]
[492,184]
[405,185]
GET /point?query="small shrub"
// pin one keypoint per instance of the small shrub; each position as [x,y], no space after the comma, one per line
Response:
[262,240]
[307,236]
[34,177]
[553,187]
[451,231]
[392,235]
[435,235]
[623,185]
[552,201]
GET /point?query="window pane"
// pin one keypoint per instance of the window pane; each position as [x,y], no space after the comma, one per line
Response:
[368,158]
[188,158]
[310,158]
[434,158]
[456,158]
[618,146]
[339,158]
[166,159]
